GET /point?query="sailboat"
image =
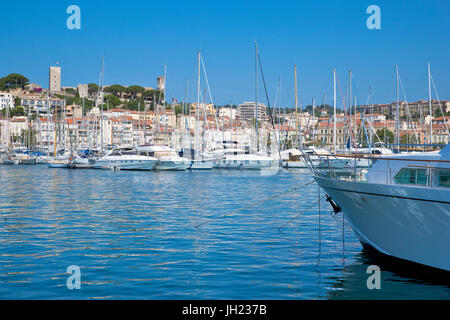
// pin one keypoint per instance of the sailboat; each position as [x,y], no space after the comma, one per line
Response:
[233,157]
[26,158]
[197,154]
[167,158]
[62,161]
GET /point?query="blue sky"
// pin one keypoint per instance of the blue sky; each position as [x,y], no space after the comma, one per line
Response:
[138,37]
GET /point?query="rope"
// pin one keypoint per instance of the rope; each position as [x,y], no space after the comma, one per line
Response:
[255,204]
[309,207]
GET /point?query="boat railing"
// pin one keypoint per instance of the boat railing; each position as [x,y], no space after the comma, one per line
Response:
[353,172]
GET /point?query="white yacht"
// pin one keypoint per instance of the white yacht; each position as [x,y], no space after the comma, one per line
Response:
[126,159]
[167,158]
[59,163]
[292,158]
[348,159]
[365,162]
[26,159]
[83,162]
[241,159]
[199,160]
[400,206]
[201,164]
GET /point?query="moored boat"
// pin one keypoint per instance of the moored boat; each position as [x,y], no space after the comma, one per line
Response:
[59,163]
[400,207]
[167,158]
[126,159]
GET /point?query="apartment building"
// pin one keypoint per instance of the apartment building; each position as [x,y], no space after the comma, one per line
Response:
[6,100]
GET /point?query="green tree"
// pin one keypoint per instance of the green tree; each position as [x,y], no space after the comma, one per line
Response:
[178,109]
[135,90]
[92,89]
[70,91]
[116,89]
[408,139]
[112,100]
[12,81]
[17,112]
[385,135]
[135,104]
[150,95]
[24,137]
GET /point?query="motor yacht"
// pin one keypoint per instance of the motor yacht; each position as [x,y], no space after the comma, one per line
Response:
[167,158]
[198,160]
[235,158]
[400,206]
[126,159]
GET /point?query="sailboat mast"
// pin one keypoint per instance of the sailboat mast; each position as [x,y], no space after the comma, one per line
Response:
[312,118]
[256,96]
[197,116]
[296,98]
[431,107]
[350,105]
[8,139]
[371,117]
[334,110]
[164,106]
[397,124]
[55,125]
[101,113]
[296,105]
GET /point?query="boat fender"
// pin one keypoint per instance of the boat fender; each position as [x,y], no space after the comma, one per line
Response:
[336,208]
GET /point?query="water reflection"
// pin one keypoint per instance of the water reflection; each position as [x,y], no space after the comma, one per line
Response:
[399,280]
[133,235]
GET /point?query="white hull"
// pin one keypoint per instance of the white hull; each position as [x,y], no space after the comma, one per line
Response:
[58,165]
[405,222]
[201,165]
[125,164]
[172,165]
[243,164]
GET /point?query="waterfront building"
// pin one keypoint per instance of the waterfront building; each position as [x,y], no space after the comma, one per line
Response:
[6,100]
[228,112]
[73,111]
[203,107]
[40,104]
[416,109]
[185,121]
[17,125]
[246,112]
[122,132]
[4,132]
[325,133]
[45,132]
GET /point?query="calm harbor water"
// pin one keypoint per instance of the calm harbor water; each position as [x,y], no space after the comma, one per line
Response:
[133,236]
